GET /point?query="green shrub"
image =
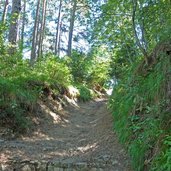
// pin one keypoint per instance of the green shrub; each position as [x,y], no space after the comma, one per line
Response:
[80,67]
[85,93]
[163,160]
[14,103]
[21,86]
[52,71]
[91,69]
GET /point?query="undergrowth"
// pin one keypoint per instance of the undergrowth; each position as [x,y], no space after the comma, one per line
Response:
[86,93]
[141,110]
[21,85]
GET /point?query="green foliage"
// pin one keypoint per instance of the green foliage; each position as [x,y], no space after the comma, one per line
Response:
[139,103]
[80,67]
[86,94]
[163,161]
[21,86]
[99,74]
[2,46]
[15,100]
[92,69]
[114,26]
[122,58]
[53,71]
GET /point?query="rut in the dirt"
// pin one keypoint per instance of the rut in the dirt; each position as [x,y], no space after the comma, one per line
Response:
[77,138]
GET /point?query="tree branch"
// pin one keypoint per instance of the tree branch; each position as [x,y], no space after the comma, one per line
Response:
[144,52]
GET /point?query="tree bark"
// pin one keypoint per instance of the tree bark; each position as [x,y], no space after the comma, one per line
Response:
[35,33]
[5,11]
[59,41]
[42,29]
[58,29]
[13,31]
[23,25]
[71,28]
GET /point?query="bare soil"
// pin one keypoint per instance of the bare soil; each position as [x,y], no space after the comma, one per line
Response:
[81,133]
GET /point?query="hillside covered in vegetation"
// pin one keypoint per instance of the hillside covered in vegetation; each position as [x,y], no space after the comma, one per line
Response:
[141,110]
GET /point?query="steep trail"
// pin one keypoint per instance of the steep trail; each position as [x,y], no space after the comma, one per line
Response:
[76,138]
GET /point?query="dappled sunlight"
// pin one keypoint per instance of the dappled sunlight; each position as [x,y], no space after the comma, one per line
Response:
[82,134]
[76,151]
[4,156]
[37,135]
[109,91]
[71,101]
[88,147]
[58,153]
[57,116]
[9,155]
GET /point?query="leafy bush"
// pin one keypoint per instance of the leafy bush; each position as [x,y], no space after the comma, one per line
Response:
[91,70]
[14,102]
[99,74]
[85,93]
[163,161]
[52,71]
[80,67]
[21,86]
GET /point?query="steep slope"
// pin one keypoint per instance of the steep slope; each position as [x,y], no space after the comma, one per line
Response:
[141,109]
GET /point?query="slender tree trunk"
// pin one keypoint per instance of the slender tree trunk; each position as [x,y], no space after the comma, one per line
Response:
[134,2]
[143,31]
[59,41]
[23,26]
[35,33]
[42,29]
[13,31]
[58,29]
[71,28]
[39,20]
[144,42]
[5,11]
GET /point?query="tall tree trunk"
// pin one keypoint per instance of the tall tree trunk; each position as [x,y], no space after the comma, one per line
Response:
[71,28]
[59,41]
[13,31]
[35,33]
[42,29]
[58,29]
[6,4]
[23,25]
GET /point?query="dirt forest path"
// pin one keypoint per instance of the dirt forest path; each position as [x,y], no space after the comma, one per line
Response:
[76,138]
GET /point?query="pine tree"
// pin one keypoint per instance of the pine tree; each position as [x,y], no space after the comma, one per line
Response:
[13,31]
[71,28]
[35,35]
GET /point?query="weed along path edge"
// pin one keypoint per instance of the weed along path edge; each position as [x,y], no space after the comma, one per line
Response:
[76,138]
